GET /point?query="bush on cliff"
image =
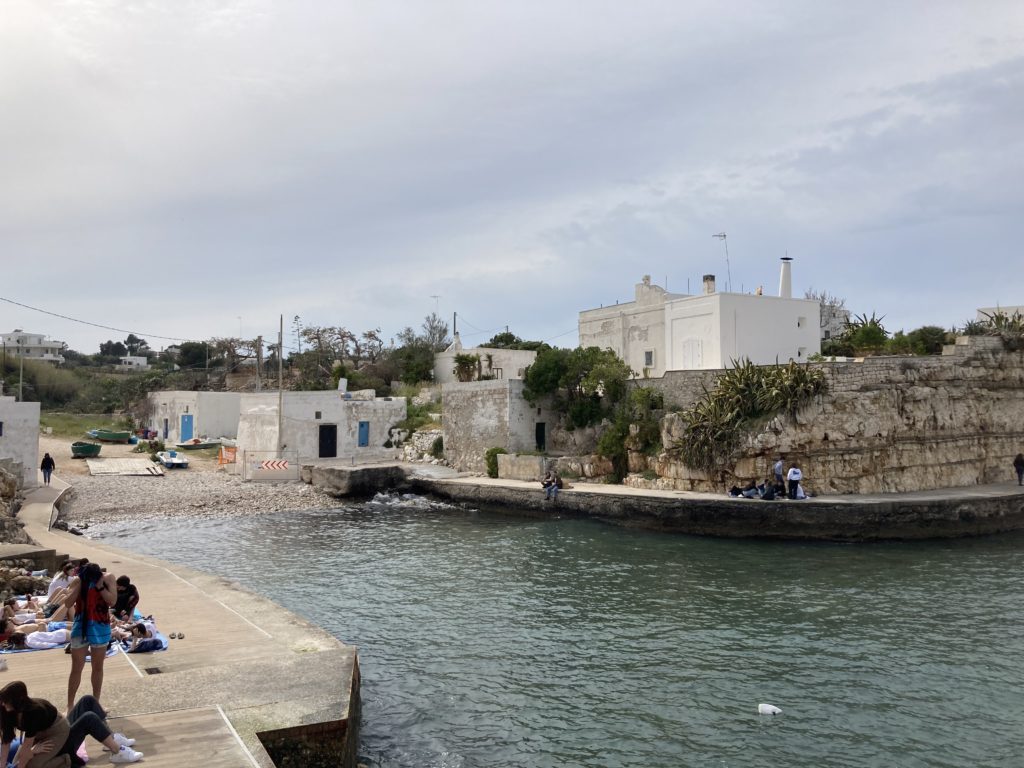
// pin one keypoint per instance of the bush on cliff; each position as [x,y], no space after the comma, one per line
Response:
[743,395]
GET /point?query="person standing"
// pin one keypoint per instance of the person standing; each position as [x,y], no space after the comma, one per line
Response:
[794,477]
[778,469]
[1018,464]
[47,466]
[91,592]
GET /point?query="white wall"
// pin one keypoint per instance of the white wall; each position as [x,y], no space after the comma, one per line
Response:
[214,414]
[709,332]
[257,429]
[505,363]
[631,329]
[20,438]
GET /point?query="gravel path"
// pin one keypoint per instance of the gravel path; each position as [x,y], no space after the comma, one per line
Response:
[186,493]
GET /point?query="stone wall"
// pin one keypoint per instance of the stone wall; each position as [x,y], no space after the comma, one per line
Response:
[514,467]
[889,424]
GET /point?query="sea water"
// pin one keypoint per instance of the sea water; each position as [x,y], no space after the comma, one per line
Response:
[493,639]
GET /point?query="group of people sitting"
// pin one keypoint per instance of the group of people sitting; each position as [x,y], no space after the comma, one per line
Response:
[87,609]
[778,486]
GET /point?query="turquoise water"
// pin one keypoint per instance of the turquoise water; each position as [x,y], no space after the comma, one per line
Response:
[495,640]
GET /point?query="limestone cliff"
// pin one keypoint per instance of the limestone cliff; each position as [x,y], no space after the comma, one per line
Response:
[888,425]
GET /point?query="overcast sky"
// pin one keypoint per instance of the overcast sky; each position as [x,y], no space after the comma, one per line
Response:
[195,169]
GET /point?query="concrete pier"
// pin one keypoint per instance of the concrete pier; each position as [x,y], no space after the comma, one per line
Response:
[250,685]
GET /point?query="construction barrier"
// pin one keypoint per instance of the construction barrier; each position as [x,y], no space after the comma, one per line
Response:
[270,466]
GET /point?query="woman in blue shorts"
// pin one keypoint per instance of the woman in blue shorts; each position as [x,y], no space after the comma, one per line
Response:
[92,592]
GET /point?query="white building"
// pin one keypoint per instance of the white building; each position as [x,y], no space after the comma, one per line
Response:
[19,437]
[494,363]
[180,415]
[660,331]
[324,424]
[321,425]
[135,363]
[32,346]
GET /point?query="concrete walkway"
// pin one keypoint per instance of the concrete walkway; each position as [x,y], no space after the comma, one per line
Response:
[246,665]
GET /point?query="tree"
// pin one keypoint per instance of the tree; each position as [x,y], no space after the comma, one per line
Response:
[507,340]
[927,340]
[135,345]
[585,377]
[467,367]
[193,354]
[113,349]
[435,333]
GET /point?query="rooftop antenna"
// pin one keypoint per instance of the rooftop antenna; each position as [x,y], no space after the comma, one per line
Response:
[728,270]
[436,298]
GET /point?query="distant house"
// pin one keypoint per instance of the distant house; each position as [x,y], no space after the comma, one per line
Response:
[19,438]
[493,363]
[135,363]
[661,331]
[32,346]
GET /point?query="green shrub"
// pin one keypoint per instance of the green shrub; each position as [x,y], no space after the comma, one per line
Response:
[491,460]
[743,396]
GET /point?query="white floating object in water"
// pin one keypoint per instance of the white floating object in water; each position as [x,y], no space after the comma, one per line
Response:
[768,709]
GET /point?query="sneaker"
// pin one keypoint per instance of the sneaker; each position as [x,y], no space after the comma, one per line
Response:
[126,755]
[123,741]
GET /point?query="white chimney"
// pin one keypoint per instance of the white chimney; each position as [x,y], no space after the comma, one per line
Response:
[709,284]
[786,279]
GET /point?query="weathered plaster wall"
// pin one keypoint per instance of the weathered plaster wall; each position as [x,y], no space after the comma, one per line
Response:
[514,467]
[478,415]
[475,418]
[890,425]
[20,438]
[504,363]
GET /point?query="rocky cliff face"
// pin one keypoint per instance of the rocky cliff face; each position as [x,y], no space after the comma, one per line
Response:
[887,425]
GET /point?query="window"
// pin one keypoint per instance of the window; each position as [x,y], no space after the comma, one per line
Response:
[316,415]
[800,352]
[801,322]
[649,358]
[1,429]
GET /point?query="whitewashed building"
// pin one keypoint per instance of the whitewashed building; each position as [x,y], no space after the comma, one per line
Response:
[180,415]
[660,331]
[135,363]
[494,363]
[19,438]
[320,425]
[32,346]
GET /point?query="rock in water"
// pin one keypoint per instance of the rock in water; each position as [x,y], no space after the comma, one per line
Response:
[768,709]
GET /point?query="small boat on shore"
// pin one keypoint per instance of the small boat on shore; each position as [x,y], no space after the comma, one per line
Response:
[110,435]
[172,460]
[198,442]
[83,450]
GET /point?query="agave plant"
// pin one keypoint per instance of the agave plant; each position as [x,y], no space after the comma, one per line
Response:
[743,394]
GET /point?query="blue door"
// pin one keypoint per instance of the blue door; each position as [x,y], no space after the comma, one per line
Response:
[364,434]
[186,428]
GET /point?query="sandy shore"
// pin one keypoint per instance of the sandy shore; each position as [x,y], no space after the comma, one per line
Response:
[201,490]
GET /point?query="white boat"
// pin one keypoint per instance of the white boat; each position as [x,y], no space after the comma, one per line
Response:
[172,460]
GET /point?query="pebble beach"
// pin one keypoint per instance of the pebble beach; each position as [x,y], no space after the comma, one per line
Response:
[202,490]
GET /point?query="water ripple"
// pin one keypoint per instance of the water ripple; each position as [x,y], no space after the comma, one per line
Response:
[493,640]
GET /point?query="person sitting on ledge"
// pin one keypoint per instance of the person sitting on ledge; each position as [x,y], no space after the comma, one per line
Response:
[127,598]
[768,490]
[551,483]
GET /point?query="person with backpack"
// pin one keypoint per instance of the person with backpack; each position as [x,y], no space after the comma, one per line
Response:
[91,592]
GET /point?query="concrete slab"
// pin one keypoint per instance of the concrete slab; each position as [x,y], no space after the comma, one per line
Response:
[124,467]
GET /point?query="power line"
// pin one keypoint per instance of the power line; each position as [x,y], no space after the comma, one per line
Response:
[94,325]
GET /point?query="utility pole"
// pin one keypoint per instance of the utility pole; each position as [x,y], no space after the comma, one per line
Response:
[280,386]
[455,323]
[21,371]
[259,362]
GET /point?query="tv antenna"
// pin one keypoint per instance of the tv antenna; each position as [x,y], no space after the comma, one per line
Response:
[728,270]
